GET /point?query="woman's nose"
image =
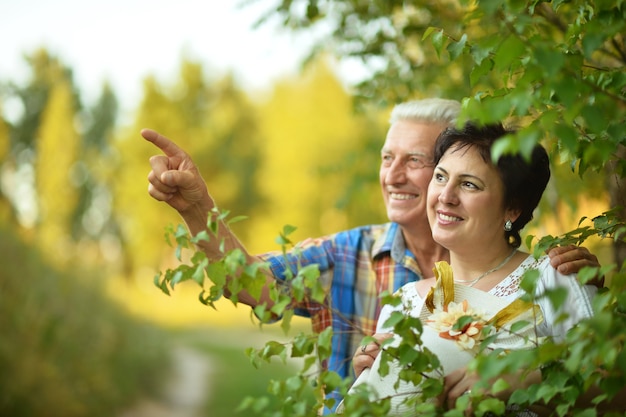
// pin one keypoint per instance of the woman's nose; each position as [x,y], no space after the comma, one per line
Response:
[448,195]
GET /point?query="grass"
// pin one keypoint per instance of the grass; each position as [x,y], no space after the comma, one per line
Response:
[65,348]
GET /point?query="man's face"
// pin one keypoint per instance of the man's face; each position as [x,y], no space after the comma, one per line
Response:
[406,169]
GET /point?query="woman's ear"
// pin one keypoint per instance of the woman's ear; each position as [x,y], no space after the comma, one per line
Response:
[512,214]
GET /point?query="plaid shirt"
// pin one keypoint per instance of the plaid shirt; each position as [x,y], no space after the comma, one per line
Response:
[356,266]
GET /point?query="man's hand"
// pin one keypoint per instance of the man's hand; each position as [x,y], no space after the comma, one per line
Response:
[174,178]
[571,258]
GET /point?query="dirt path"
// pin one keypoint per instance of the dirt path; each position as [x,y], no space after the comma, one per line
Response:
[189,387]
[186,391]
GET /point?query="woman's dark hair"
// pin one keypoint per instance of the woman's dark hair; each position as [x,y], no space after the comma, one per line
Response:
[524,179]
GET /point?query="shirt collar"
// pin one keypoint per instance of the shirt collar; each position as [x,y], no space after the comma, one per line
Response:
[390,241]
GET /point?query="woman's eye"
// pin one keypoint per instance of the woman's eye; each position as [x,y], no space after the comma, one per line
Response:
[470,185]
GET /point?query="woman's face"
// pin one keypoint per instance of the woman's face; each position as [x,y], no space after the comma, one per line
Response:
[466,202]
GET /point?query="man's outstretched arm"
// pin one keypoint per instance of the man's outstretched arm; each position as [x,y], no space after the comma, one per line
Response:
[176,180]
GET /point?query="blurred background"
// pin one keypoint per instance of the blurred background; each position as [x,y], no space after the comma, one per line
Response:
[83,329]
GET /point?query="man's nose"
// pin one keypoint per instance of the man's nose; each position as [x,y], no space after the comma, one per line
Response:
[396,173]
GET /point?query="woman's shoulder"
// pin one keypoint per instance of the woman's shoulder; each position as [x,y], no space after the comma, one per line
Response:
[409,290]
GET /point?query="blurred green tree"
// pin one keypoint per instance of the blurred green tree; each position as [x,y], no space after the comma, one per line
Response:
[311,137]
[5,205]
[60,160]
[56,154]
[92,217]
[28,103]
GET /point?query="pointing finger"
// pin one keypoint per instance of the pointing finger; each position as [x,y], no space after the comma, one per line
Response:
[168,147]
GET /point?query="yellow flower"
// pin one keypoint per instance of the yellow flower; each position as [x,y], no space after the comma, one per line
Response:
[470,334]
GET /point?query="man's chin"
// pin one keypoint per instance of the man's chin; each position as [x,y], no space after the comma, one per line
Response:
[403,219]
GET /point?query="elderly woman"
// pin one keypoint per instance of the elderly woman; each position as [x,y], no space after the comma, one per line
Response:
[476,210]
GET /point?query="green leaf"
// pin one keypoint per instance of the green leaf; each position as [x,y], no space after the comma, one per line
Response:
[519,325]
[395,318]
[324,342]
[293,383]
[509,51]
[455,49]
[550,60]
[566,91]
[280,307]
[302,345]
[288,229]
[527,139]
[594,118]
[557,296]
[207,299]
[162,285]
[567,136]
[331,380]
[588,273]
[429,31]
[483,48]
[177,276]
[272,349]
[529,281]
[438,40]
[462,322]
[592,40]
[502,146]
[217,273]
[491,405]
[480,70]
[198,274]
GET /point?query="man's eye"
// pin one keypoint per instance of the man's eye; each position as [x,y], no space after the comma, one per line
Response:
[419,162]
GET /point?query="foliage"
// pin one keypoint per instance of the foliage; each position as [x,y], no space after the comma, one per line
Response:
[553,69]
[560,65]
[589,359]
[66,349]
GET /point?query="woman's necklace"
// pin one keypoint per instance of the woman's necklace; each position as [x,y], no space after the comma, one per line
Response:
[470,283]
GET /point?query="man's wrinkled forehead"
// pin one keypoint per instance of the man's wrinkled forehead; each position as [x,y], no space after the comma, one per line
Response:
[406,133]
[420,152]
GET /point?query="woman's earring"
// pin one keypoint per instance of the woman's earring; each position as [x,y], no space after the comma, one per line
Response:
[508,225]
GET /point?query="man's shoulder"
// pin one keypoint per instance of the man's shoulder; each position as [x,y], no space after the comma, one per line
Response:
[372,231]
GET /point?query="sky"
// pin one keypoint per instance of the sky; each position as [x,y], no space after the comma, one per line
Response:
[123,41]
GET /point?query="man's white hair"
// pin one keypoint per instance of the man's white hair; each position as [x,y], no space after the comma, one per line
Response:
[429,110]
